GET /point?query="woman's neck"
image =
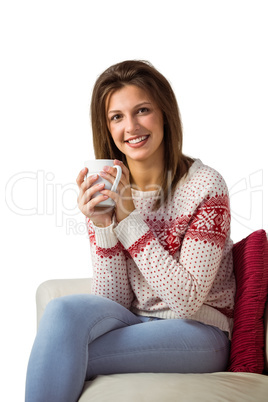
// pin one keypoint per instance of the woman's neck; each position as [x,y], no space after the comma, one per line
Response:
[146,176]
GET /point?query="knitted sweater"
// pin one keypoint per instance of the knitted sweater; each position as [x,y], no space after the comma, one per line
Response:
[175,262]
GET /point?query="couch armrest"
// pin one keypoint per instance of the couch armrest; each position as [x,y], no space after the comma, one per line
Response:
[51,289]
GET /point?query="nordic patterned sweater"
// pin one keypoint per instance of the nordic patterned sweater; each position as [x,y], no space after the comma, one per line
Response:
[175,262]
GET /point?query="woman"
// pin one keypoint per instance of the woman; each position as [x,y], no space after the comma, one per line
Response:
[163,283]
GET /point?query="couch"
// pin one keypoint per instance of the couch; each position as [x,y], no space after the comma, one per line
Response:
[152,387]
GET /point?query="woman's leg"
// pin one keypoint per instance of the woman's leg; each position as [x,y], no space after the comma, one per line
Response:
[86,333]
[58,362]
[165,346]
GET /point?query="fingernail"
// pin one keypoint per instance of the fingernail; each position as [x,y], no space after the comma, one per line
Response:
[94,176]
[103,174]
[106,168]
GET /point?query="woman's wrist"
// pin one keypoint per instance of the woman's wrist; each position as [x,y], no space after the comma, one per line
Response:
[104,224]
[124,211]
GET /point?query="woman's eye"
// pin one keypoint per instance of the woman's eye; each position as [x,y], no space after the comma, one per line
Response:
[115,117]
[143,110]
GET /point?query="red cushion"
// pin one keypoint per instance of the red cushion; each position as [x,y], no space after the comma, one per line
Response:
[251,272]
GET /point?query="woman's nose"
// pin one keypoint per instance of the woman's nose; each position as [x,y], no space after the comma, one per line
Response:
[131,125]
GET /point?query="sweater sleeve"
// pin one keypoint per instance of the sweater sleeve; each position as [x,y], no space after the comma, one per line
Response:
[110,277]
[182,282]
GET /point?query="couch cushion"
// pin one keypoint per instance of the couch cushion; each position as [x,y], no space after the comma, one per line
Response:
[251,271]
[150,387]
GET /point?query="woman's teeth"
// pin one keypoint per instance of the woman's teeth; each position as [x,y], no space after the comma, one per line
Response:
[136,140]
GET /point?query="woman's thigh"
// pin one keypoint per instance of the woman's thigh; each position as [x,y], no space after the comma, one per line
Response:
[166,346]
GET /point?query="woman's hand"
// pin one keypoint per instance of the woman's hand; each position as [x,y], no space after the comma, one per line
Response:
[123,197]
[100,216]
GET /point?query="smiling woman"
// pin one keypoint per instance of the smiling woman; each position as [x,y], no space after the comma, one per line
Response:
[163,282]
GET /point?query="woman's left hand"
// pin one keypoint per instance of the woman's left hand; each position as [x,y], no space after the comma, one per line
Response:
[123,197]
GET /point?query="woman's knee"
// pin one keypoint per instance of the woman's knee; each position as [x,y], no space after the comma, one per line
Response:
[80,307]
[84,316]
[73,304]
[65,311]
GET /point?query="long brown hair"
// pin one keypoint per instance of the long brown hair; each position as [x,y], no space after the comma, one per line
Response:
[141,74]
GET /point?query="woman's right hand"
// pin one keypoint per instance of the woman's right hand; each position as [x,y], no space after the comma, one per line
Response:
[100,216]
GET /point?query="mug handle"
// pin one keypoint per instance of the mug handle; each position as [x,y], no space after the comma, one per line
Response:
[118,177]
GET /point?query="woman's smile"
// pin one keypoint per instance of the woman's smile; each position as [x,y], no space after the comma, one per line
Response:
[137,141]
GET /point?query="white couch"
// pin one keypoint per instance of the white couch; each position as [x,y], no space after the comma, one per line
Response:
[152,387]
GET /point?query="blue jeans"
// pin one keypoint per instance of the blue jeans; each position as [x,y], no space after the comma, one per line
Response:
[81,336]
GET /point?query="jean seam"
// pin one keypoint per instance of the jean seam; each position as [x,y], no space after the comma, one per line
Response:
[158,350]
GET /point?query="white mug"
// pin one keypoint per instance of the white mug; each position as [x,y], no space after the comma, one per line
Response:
[95,167]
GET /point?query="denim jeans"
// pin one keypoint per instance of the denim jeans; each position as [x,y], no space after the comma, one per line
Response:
[81,336]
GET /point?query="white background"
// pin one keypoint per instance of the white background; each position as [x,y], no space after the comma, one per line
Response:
[215,55]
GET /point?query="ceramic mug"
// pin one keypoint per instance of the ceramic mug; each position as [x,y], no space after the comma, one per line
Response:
[95,167]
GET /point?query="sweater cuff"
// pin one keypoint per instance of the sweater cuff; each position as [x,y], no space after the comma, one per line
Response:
[130,229]
[105,237]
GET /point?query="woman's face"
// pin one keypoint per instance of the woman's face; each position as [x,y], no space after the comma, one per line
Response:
[136,124]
